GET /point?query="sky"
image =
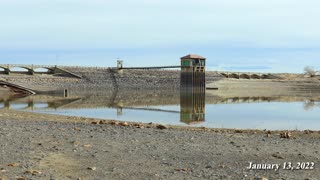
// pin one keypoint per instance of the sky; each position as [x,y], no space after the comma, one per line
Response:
[234,35]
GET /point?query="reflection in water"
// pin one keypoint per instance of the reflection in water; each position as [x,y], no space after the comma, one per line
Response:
[35,102]
[196,109]
[311,104]
[192,107]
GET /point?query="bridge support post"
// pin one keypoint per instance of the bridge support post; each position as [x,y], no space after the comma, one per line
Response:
[65,93]
[31,70]
[7,104]
[7,70]
[120,66]
[31,105]
[56,70]
[119,111]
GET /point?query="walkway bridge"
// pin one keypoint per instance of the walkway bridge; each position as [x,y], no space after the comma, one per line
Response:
[244,75]
[17,88]
[152,67]
[53,69]
[35,69]
[223,74]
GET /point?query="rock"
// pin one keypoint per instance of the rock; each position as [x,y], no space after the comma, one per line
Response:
[261,178]
[53,178]
[277,156]
[102,122]
[160,126]
[92,168]
[13,165]
[76,143]
[286,135]
[21,178]
[77,129]
[140,126]
[33,172]
[114,123]
[4,178]
[3,171]
[87,146]
[238,131]
[123,124]
[36,172]
[95,122]
[308,131]
[183,169]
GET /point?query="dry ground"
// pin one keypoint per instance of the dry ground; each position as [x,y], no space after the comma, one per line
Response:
[39,146]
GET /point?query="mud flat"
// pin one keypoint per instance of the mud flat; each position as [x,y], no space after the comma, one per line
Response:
[39,146]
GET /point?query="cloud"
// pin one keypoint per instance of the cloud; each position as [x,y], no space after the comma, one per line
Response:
[264,34]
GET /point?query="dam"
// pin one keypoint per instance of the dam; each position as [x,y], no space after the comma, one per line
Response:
[191,96]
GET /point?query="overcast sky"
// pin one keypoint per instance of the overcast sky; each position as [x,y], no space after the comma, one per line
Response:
[239,35]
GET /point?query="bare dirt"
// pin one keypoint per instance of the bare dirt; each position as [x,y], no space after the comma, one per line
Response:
[40,146]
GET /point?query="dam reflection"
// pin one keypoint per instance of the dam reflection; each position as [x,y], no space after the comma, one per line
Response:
[27,103]
[192,105]
[184,108]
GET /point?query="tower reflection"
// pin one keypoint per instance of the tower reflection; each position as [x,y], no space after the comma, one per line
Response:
[192,104]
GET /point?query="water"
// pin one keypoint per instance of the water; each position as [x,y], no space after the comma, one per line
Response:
[273,113]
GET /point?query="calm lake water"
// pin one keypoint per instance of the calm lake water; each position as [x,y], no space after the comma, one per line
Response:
[214,112]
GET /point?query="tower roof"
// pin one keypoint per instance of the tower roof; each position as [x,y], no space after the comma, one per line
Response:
[193,56]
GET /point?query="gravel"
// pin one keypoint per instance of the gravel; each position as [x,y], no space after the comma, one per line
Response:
[57,147]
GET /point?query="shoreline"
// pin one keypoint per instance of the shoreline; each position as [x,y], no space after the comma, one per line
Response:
[28,116]
[62,147]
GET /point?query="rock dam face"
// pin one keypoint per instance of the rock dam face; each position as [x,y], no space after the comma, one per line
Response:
[100,78]
[105,79]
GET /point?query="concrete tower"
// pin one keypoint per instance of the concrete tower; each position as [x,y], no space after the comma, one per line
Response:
[192,89]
